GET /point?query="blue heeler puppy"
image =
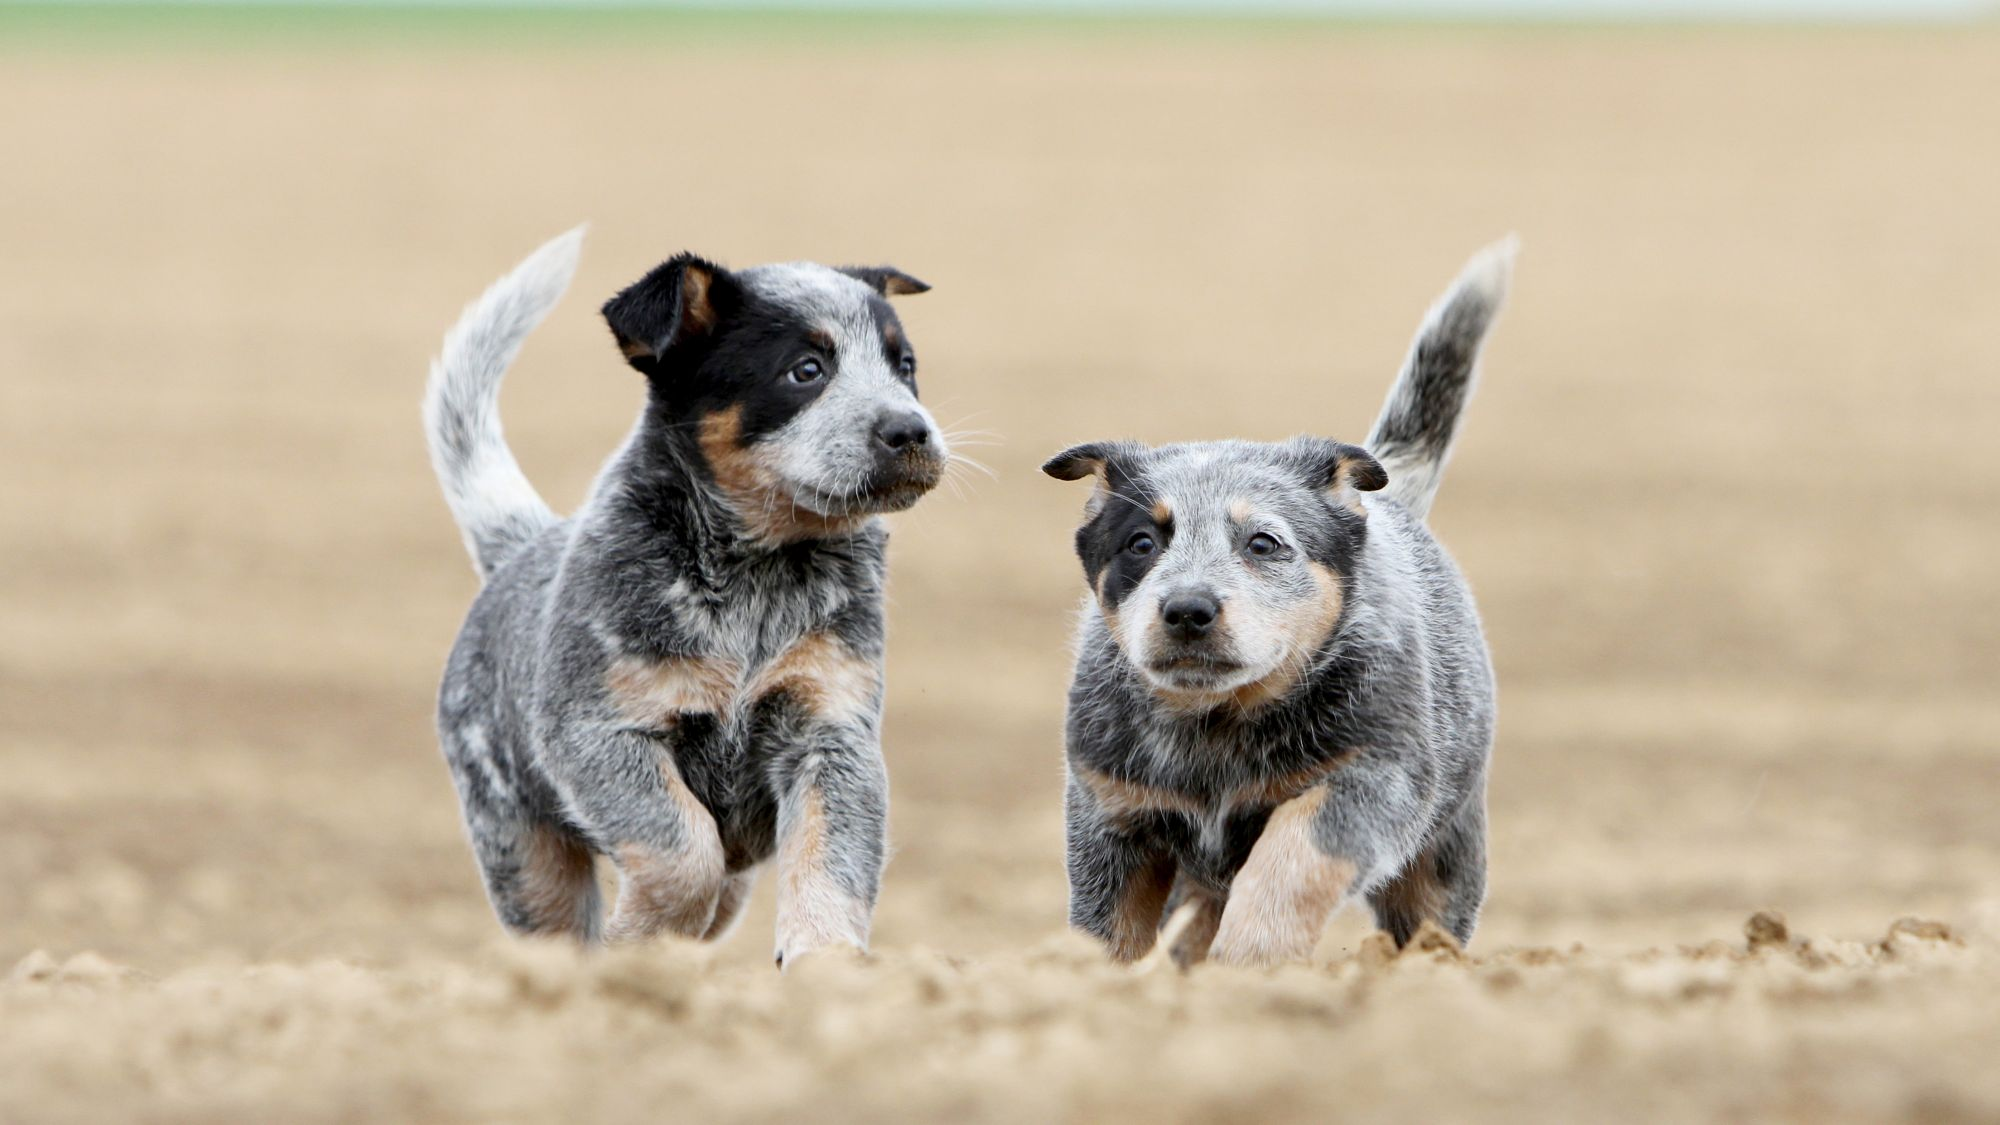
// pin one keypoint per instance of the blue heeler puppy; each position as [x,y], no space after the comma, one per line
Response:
[1282,698]
[685,676]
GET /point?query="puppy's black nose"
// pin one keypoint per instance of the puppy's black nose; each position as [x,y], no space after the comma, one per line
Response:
[1190,615]
[898,432]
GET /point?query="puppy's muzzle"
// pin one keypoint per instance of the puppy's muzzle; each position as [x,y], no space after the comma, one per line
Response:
[1192,648]
[908,459]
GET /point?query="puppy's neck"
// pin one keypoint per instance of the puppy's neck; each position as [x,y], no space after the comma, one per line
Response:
[664,484]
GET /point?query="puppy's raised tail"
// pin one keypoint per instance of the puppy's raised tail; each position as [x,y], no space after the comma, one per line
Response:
[496,508]
[1413,436]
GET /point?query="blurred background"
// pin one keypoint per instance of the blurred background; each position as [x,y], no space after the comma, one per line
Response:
[1727,492]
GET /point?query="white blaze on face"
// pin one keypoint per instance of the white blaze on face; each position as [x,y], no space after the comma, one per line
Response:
[828,450]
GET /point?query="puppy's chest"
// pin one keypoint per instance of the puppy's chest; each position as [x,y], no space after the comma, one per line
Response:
[1206,788]
[1129,793]
[730,655]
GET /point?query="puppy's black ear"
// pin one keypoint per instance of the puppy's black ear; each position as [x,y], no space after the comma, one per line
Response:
[886,280]
[1338,466]
[683,297]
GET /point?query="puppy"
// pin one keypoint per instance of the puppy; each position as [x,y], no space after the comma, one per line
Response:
[685,677]
[1282,698]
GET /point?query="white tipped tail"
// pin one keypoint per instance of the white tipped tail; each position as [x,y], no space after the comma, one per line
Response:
[496,508]
[1413,436]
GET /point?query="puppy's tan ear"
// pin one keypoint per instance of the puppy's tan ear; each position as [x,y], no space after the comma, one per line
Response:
[681,298]
[1339,467]
[1094,458]
[886,280]
[1109,461]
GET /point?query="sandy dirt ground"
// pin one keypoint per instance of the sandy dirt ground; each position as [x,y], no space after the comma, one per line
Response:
[1727,496]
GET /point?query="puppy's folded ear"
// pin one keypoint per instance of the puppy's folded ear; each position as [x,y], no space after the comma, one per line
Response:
[1338,466]
[886,280]
[681,298]
[1097,458]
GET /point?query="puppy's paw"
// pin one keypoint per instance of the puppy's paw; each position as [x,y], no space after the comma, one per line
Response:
[816,914]
[789,957]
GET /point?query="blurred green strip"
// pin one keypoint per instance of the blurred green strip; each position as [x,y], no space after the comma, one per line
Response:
[184,24]
[85,25]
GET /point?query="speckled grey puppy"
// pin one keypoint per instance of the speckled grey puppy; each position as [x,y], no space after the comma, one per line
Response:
[1282,697]
[686,675]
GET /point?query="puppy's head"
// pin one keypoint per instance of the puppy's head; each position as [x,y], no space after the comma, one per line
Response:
[1221,568]
[796,380]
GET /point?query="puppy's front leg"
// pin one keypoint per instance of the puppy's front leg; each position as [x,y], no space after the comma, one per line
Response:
[832,827]
[1285,892]
[1315,850]
[1119,876]
[626,790]
[818,718]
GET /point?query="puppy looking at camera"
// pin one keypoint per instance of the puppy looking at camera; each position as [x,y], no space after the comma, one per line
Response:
[1282,698]
[685,676]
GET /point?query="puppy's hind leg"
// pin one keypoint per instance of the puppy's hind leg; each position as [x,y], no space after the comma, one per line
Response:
[1445,884]
[1191,947]
[541,879]
[539,876]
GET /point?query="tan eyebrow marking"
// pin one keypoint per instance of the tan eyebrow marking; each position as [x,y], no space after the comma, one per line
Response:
[1239,510]
[822,339]
[1163,513]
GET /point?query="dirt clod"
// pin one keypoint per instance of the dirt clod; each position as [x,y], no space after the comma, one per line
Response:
[1767,928]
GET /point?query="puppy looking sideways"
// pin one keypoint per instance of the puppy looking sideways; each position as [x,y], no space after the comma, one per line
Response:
[1282,699]
[685,676]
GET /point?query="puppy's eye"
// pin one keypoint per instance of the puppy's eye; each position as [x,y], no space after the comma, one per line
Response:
[806,371]
[908,367]
[1141,544]
[1261,546]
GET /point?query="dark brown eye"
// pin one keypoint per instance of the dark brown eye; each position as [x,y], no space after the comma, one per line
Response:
[1141,544]
[908,367]
[806,371]
[1261,546]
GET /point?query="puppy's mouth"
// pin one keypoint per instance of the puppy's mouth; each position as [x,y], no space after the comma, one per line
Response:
[1197,672]
[882,492]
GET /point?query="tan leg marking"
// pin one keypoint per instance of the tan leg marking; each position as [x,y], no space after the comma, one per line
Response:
[557,887]
[1135,923]
[1415,897]
[1191,948]
[826,677]
[814,910]
[655,693]
[669,891]
[1280,901]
